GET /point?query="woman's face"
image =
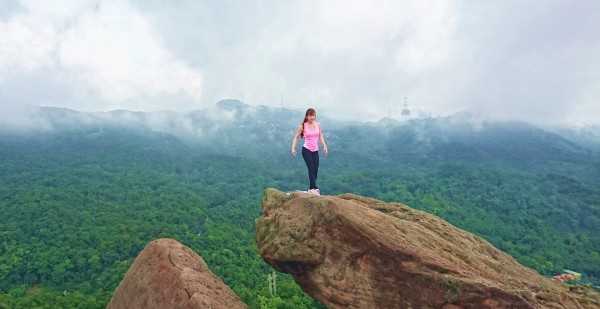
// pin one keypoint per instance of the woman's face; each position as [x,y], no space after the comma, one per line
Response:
[311,117]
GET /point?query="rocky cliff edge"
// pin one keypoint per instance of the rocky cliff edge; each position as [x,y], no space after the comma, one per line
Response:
[349,251]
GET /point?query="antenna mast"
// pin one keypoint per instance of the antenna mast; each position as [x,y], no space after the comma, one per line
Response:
[405,110]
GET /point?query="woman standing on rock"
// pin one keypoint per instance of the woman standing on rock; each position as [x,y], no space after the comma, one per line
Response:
[310,130]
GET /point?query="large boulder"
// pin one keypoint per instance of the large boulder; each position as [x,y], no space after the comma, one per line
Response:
[167,274]
[350,251]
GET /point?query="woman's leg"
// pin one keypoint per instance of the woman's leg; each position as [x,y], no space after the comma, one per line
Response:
[310,164]
[315,156]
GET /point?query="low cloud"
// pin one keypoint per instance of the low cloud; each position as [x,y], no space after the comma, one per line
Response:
[532,61]
[104,54]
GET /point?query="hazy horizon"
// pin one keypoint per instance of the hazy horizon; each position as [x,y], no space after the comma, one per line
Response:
[530,61]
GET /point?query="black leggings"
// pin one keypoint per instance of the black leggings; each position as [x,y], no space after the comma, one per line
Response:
[312,162]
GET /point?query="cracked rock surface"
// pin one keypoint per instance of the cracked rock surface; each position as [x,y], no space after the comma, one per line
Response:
[350,251]
[167,274]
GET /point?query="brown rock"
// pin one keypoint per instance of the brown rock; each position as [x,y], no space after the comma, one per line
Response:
[349,251]
[168,274]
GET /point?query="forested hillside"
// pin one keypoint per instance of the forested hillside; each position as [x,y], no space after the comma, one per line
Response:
[79,207]
[80,199]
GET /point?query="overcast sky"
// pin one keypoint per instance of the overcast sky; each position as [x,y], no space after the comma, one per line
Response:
[531,60]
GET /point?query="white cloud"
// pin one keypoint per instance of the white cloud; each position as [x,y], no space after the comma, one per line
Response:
[107,48]
[430,38]
[353,59]
[25,44]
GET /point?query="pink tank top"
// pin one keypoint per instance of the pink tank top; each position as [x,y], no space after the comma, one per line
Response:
[311,137]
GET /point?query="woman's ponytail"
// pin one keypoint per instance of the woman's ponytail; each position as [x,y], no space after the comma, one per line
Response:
[310,111]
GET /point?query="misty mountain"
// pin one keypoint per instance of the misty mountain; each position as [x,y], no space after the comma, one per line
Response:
[234,128]
[588,136]
[263,135]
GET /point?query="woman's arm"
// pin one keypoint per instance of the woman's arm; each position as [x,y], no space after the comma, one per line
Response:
[296,139]
[322,140]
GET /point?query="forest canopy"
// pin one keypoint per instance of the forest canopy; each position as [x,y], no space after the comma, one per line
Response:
[78,205]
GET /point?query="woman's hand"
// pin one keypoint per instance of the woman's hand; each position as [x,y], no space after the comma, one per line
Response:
[294,152]
[325,149]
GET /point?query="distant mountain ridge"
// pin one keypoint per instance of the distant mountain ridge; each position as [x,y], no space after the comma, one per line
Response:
[232,127]
[232,117]
[587,135]
[235,113]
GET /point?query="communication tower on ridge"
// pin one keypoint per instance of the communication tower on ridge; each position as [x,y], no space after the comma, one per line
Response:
[405,110]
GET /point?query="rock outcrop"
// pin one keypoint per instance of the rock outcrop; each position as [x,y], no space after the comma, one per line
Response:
[349,251]
[167,274]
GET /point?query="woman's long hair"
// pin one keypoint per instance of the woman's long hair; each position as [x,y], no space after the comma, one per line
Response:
[309,112]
